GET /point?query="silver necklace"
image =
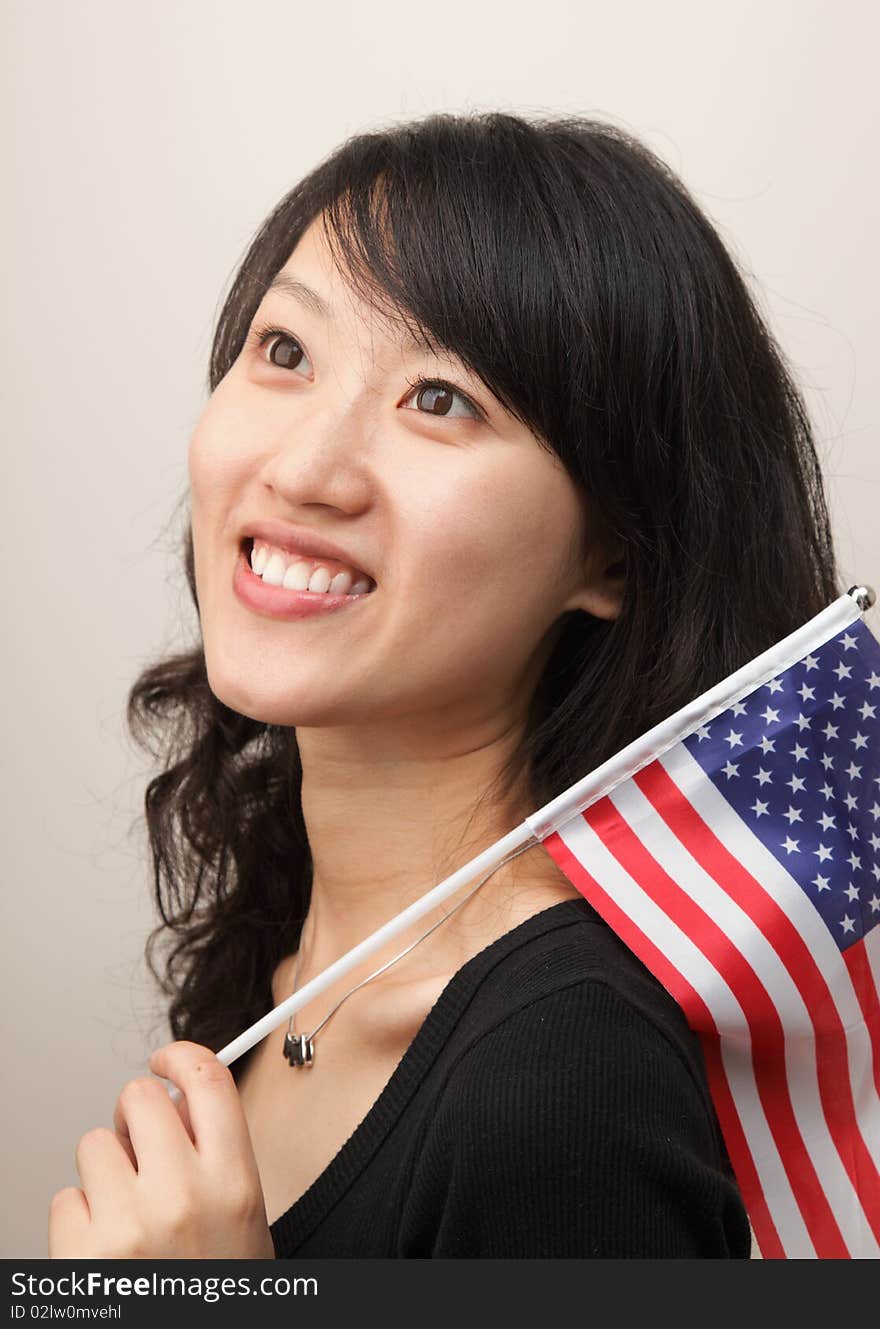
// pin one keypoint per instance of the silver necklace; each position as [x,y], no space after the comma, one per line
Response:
[299,1048]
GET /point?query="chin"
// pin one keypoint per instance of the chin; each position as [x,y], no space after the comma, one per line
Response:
[286,707]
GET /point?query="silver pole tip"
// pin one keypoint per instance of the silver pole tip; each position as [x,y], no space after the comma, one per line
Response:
[864,596]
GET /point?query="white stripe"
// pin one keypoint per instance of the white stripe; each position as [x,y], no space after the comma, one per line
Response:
[872,951]
[739,840]
[588,848]
[800,1051]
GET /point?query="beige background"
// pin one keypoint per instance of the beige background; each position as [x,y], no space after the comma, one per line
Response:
[142,144]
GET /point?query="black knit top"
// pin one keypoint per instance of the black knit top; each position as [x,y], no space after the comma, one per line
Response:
[553,1103]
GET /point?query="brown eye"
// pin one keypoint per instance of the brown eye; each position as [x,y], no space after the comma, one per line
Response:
[436,400]
[284,352]
[434,397]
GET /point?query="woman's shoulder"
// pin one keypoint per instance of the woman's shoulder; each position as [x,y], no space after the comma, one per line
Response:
[578,1095]
[565,965]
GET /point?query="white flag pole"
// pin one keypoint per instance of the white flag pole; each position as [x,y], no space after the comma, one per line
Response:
[536,827]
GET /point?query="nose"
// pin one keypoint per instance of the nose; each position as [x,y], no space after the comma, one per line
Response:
[322,456]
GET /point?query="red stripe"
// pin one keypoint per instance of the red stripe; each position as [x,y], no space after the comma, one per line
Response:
[856,960]
[700,1018]
[762,1017]
[832,1057]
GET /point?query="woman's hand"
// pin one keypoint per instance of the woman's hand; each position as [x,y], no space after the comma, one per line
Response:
[174,1181]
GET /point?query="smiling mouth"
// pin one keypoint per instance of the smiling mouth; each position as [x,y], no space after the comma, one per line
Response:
[303,569]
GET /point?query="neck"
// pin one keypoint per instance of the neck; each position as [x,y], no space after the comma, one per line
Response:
[385,827]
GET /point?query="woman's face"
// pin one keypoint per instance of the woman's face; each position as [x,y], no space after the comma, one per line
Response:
[472,532]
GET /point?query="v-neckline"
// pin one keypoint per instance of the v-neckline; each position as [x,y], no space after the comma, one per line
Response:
[296,1223]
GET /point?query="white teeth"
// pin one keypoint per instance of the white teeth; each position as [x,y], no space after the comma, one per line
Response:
[273,572]
[304,574]
[319,580]
[296,578]
[341,583]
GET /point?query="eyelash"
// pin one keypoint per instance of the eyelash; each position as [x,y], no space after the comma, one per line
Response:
[261,335]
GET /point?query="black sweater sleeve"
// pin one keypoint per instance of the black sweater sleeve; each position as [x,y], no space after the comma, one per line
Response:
[577,1127]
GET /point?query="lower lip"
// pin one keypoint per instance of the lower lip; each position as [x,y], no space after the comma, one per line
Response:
[278,602]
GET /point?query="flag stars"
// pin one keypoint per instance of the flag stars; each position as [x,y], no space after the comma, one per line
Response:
[812,747]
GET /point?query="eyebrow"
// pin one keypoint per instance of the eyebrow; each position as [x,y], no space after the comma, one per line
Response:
[298,290]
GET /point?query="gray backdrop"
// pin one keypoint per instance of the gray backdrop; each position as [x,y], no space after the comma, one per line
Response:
[142,145]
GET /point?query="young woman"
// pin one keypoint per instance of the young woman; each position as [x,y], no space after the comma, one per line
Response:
[500,467]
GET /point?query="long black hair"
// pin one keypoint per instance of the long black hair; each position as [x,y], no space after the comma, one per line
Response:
[572,271]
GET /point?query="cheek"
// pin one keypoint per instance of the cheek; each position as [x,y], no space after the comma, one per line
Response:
[493,565]
[214,460]
[215,463]
[503,531]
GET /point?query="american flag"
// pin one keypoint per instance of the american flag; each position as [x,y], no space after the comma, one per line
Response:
[738,856]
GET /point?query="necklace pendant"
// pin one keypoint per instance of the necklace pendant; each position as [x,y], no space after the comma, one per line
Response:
[298,1049]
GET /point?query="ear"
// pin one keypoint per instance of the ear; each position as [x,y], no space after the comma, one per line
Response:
[603,584]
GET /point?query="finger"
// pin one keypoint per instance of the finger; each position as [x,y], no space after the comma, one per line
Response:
[183,1112]
[68,1222]
[220,1129]
[104,1169]
[121,1128]
[145,1114]
[124,1139]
